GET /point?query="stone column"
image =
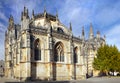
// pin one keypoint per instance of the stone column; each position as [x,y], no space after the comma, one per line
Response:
[50,52]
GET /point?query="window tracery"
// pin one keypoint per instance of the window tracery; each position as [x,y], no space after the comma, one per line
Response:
[75,55]
[59,52]
[37,50]
[60,30]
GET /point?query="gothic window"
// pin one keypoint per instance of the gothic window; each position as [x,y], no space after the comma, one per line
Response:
[59,52]
[60,30]
[75,55]
[37,50]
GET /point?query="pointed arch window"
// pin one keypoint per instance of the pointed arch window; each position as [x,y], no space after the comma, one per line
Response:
[37,50]
[60,30]
[75,55]
[59,52]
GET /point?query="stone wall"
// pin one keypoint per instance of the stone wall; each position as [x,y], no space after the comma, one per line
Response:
[2,68]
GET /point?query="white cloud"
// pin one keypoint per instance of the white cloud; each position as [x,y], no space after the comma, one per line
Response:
[17,7]
[113,36]
[2,25]
[106,13]
[106,16]
[2,34]
[3,17]
[79,12]
[74,11]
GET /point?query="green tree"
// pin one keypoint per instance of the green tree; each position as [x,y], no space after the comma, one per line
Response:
[108,59]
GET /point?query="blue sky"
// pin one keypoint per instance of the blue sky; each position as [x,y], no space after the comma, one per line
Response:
[103,14]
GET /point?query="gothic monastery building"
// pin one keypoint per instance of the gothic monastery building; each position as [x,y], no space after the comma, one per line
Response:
[42,48]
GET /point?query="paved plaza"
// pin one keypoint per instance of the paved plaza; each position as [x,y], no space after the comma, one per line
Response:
[90,80]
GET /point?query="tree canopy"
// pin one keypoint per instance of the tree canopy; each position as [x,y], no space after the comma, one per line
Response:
[108,59]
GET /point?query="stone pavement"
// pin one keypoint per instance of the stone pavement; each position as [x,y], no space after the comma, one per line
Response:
[101,80]
[90,80]
[4,80]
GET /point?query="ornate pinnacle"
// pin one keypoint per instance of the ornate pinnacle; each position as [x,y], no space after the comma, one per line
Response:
[70,26]
[45,12]
[56,14]
[83,30]
[33,12]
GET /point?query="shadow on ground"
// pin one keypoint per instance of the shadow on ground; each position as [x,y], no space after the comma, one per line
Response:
[43,82]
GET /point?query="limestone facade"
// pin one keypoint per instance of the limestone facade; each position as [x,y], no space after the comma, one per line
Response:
[1,68]
[42,48]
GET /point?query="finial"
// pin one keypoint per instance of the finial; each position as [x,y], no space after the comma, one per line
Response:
[90,24]
[21,15]
[70,26]
[91,31]
[33,12]
[6,33]
[98,34]
[27,11]
[57,16]
[24,9]
[11,18]
[11,21]
[45,12]
[83,34]
[44,9]
[56,13]
[83,30]
[104,36]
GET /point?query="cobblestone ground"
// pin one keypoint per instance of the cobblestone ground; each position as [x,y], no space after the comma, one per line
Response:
[90,80]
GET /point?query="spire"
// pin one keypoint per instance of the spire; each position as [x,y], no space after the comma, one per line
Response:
[56,15]
[24,14]
[83,33]
[21,15]
[45,12]
[44,9]
[98,34]
[11,21]
[6,33]
[24,8]
[70,26]
[104,37]
[91,35]
[32,14]
[25,11]
[11,18]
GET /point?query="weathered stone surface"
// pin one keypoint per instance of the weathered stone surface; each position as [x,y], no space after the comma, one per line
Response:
[42,48]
